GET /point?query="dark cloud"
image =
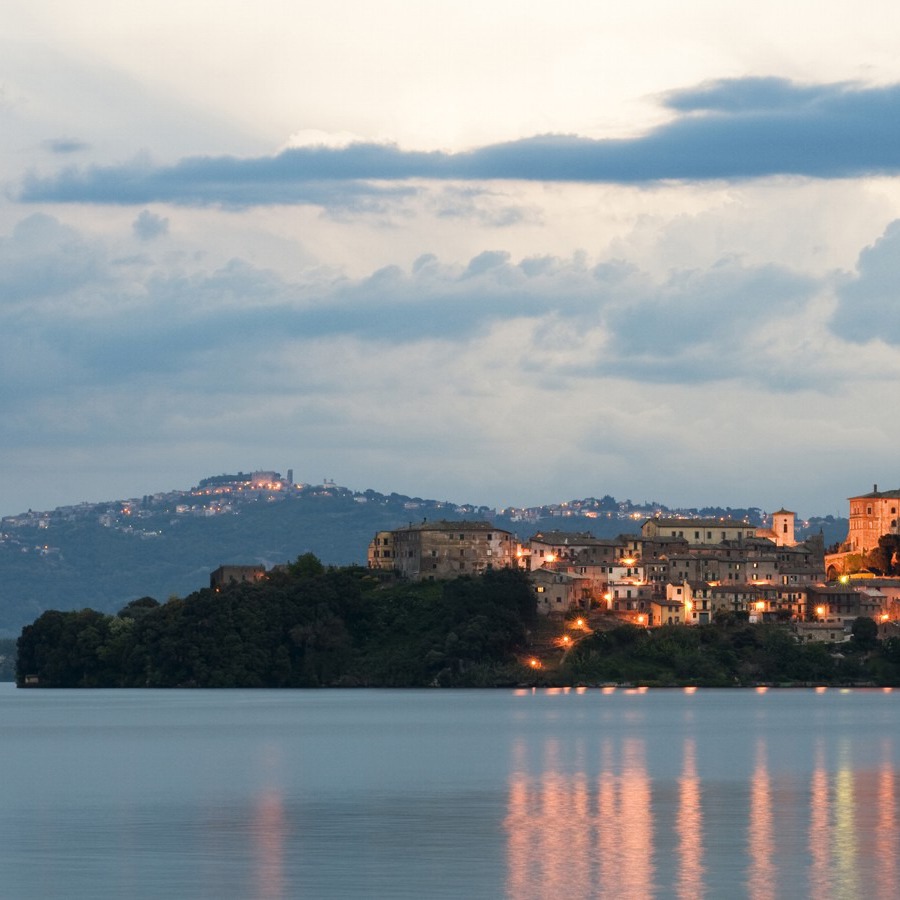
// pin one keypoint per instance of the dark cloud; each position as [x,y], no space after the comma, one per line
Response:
[148,225]
[729,129]
[869,304]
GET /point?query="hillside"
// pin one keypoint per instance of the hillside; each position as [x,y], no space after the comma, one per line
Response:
[104,555]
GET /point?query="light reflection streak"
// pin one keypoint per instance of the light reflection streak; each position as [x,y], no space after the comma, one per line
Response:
[269,833]
[584,820]
[820,832]
[885,862]
[845,826]
[761,871]
[689,827]
[564,841]
[636,873]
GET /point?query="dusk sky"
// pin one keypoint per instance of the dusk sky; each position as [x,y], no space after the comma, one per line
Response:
[503,253]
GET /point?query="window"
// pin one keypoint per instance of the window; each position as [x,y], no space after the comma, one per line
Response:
[540,589]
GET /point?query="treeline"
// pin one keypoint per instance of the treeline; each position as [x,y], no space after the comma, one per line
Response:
[729,654]
[306,626]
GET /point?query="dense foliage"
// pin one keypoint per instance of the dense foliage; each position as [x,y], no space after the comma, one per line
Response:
[304,627]
[730,654]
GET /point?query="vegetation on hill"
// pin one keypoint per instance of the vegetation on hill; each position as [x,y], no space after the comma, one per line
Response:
[308,626]
[304,627]
[728,654]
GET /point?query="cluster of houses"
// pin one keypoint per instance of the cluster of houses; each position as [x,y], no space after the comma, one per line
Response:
[676,571]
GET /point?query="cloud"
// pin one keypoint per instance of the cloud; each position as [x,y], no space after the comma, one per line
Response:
[869,303]
[148,225]
[43,260]
[65,145]
[727,129]
[583,323]
[524,360]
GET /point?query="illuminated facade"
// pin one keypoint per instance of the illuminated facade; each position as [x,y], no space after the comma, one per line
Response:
[698,531]
[871,516]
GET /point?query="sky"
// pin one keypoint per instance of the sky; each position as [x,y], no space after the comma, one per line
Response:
[501,253]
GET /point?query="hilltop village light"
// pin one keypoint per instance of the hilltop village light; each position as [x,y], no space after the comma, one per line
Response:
[534,663]
[820,610]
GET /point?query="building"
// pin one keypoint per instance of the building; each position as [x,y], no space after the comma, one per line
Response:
[841,604]
[381,551]
[558,592]
[698,531]
[443,549]
[871,516]
[227,576]
[549,547]
[782,531]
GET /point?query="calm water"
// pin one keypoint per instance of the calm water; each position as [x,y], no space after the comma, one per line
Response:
[621,794]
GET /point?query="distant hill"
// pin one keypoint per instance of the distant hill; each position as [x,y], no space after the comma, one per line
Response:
[104,555]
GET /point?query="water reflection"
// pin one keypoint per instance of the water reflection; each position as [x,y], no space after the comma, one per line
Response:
[690,828]
[269,828]
[567,838]
[760,837]
[611,817]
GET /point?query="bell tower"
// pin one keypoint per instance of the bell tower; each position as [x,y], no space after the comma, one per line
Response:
[783,526]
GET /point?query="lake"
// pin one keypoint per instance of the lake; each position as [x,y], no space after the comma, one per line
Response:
[400,794]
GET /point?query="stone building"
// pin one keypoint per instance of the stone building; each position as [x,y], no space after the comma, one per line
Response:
[443,549]
[227,576]
[698,531]
[782,531]
[871,516]
[381,551]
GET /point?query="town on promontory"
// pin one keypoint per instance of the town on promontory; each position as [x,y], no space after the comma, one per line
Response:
[470,596]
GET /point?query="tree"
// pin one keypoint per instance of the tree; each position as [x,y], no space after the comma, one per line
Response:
[865,632]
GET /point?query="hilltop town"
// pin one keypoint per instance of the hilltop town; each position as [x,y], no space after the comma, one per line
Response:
[465,602]
[681,570]
[102,555]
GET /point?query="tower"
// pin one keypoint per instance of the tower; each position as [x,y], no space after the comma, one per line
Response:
[783,526]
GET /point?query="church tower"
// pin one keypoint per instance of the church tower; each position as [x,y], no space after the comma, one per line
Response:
[783,526]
